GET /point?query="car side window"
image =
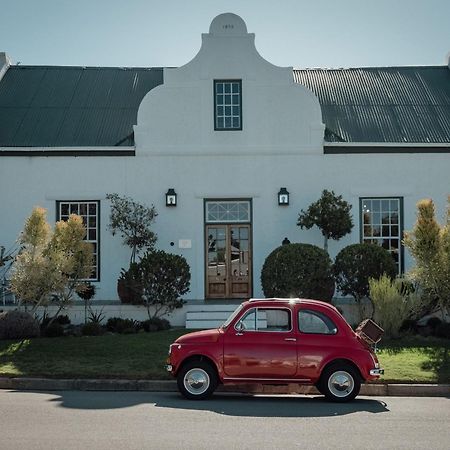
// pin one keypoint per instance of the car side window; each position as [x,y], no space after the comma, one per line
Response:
[266,319]
[315,322]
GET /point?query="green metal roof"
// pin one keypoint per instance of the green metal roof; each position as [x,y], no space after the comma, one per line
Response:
[385,104]
[43,106]
[72,106]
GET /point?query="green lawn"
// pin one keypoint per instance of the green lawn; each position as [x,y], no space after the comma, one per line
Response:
[142,356]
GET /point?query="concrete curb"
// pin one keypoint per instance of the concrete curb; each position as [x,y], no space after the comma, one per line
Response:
[49,384]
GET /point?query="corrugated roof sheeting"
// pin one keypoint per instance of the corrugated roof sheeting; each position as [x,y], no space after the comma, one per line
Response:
[388,104]
[72,106]
[91,106]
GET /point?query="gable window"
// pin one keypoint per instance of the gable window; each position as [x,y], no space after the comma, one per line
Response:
[382,224]
[89,212]
[227,105]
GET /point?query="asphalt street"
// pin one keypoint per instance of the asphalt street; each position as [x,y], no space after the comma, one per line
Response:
[68,420]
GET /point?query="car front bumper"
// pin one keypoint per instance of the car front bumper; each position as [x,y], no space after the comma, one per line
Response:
[376,372]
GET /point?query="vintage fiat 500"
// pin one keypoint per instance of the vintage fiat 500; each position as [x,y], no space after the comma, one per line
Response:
[277,341]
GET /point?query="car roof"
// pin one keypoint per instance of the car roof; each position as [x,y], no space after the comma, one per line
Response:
[302,301]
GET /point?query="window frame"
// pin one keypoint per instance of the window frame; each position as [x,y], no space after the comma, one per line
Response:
[318,314]
[98,228]
[248,311]
[401,249]
[216,128]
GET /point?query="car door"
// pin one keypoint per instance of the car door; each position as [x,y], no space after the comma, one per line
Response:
[262,345]
[317,340]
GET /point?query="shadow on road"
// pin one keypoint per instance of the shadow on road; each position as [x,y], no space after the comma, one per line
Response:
[236,405]
[273,406]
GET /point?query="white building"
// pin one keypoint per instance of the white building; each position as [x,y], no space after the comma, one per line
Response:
[227,132]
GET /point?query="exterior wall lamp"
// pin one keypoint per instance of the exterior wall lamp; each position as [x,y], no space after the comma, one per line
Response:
[171,197]
[283,197]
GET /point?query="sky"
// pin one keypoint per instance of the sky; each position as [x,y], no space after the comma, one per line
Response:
[298,33]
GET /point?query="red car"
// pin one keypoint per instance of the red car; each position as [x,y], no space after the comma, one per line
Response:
[277,341]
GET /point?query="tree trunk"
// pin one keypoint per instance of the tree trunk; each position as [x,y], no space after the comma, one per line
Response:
[325,243]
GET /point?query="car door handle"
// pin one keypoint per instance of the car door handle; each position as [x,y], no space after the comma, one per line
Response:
[290,339]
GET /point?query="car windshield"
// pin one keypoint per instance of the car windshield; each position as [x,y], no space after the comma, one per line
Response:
[233,315]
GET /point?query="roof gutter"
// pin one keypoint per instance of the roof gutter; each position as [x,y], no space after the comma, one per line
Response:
[68,151]
[339,148]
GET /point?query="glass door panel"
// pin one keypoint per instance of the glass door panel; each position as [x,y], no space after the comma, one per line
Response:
[228,261]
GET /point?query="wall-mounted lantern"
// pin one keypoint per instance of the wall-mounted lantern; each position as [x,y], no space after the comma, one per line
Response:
[283,196]
[171,197]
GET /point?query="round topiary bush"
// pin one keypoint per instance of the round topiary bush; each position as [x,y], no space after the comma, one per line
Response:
[298,270]
[18,325]
[355,264]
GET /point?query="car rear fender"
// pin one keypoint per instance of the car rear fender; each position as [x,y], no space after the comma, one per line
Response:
[343,362]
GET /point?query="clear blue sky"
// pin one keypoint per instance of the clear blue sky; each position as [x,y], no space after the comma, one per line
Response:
[299,33]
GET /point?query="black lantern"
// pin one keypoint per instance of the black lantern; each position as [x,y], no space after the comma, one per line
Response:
[171,197]
[283,196]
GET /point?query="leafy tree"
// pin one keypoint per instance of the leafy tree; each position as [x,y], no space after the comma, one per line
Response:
[51,263]
[331,214]
[298,270]
[356,263]
[132,220]
[429,245]
[165,278]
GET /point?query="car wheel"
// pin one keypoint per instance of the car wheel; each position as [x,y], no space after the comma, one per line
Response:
[340,383]
[197,380]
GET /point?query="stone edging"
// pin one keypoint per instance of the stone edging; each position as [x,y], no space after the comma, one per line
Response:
[48,384]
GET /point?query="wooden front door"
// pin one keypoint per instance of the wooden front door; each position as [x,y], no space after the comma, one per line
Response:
[228,261]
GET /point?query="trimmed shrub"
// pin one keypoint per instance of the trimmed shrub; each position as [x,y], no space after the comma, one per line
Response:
[123,326]
[92,329]
[355,264]
[433,323]
[408,326]
[443,330]
[156,324]
[18,325]
[165,278]
[298,270]
[55,329]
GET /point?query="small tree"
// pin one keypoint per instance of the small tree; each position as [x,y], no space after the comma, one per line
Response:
[331,214]
[71,258]
[165,278]
[51,263]
[355,264]
[33,277]
[298,270]
[429,245]
[132,220]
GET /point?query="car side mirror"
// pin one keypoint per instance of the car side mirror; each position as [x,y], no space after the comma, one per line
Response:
[240,327]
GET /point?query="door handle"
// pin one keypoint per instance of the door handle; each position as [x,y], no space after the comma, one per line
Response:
[290,339]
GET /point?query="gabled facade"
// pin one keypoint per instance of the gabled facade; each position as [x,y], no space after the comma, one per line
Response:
[227,133]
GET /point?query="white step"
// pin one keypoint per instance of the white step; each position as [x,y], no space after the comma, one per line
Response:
[203,324]
[201,315]
[208,316]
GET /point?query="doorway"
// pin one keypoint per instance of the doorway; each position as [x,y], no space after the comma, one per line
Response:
[228,261]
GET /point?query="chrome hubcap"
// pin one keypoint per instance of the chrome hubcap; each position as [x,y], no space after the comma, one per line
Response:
[341,384]
[196,381]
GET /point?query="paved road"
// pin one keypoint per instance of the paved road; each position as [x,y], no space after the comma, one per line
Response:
[69,420]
